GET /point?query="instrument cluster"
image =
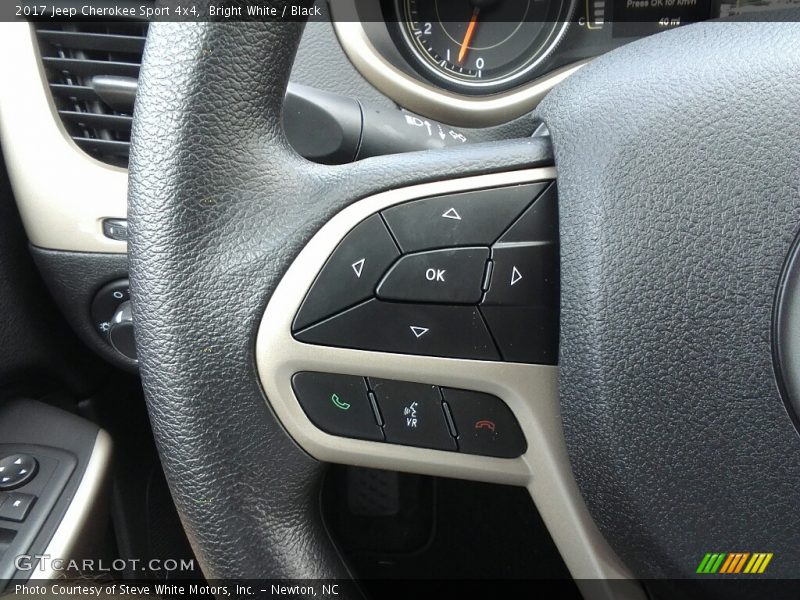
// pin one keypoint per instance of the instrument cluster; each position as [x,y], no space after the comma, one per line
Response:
[482,47]
[477,63]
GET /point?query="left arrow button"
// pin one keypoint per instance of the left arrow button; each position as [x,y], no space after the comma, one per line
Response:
[351,273]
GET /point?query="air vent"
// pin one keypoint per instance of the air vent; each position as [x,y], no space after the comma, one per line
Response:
[92,69]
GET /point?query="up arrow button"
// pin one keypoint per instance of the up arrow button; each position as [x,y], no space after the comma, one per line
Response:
[475,218]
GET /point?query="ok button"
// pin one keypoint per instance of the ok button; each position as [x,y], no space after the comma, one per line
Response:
[451,276]
[435,274]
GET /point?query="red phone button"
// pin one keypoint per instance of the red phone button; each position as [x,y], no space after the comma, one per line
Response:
[485,425]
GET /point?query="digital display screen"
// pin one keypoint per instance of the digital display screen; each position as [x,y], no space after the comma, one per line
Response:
[636,18]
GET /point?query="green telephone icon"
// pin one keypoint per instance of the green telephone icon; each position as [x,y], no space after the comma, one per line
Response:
[337,402]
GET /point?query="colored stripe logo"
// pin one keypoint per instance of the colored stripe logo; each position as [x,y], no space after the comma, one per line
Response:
[732,563]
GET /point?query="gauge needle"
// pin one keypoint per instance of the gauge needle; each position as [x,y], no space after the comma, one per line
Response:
[473,23]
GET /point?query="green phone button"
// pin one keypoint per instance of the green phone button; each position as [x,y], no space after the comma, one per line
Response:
[337,404]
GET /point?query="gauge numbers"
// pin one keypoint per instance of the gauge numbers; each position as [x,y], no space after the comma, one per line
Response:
[482,45]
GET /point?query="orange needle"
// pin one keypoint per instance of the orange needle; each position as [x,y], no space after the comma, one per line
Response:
[473,22]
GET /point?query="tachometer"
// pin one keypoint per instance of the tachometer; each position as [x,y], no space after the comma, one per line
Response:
[482,46]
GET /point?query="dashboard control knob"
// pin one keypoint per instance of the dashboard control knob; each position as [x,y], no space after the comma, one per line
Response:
[120,333]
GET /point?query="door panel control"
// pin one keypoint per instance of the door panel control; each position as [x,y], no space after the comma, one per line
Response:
[468,219]
[485,424]
[16,470]
[410,414]
[452,276]
[428,329]
[351,273]
[337,404]
[476,277]
[15,506]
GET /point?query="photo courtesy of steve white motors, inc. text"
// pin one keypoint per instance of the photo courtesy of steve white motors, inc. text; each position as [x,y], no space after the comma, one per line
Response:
[140,590]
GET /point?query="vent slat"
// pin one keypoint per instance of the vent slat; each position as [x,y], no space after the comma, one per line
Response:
[78,92]
[92,69]
[105,146]
[79,66]
[79,40]
[118,122]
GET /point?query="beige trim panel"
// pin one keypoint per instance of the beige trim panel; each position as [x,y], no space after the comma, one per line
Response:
[435,102]
[63,194]
[84,513]
[531,391]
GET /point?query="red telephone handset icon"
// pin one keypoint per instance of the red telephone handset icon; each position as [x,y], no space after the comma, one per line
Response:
[485,424]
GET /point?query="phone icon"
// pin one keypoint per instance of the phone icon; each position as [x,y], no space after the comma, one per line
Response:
[339,403]
[485,424]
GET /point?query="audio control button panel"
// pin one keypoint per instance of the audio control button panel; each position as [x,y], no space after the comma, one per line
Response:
[409,414]
[473,275]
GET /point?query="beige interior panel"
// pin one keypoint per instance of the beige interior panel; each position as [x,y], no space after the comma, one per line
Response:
[63,194]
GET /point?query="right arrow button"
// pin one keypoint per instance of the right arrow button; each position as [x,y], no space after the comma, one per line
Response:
[516,276]
[521,305]
[524,275]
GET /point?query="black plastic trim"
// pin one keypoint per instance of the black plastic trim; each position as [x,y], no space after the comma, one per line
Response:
[73,279]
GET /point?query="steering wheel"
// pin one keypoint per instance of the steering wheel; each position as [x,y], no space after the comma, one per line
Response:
[662,434]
